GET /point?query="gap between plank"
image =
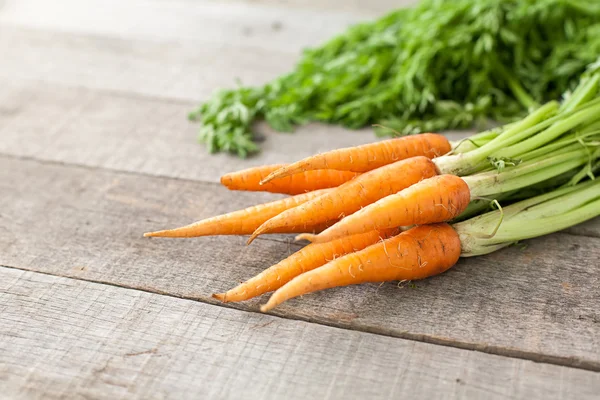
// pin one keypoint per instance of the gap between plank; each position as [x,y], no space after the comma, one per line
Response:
[570,362]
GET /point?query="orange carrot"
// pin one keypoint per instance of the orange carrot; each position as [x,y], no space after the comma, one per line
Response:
[417,253]
[369,156]
[432,200]
[244,222]
[249,179]
[353,195]
[306,259]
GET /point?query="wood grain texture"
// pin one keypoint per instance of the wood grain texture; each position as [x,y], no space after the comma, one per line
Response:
[200,44]
[65,338]
[249,25]
[174,70]
[151,136]
[375,7]
[538,303]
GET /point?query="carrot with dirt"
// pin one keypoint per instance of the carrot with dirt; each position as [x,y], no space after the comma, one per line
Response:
[246,221]
[353,195]
[249,180]
[368,157]
[428,250]
[305,259]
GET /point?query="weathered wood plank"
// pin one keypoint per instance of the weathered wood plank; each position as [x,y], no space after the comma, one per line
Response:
[70,338]
[152,136]
[538,303]
[375,7]
[181,70]
[79,125]
[203,43]
[254,25]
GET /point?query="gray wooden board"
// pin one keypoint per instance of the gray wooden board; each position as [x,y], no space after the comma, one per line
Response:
[538,303]
[104,50]
[66,338]
[183,70]
[374,7]
[250,25]
[137,134]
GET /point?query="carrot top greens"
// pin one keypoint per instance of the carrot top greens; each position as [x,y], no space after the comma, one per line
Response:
[439,65]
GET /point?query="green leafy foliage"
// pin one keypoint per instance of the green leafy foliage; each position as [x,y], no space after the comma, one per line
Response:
[440,65]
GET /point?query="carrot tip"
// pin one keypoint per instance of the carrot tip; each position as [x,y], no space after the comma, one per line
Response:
[306,236]
[265,308]
[220,296]
[256,233]
[264,181]
[150,234]
[272,175]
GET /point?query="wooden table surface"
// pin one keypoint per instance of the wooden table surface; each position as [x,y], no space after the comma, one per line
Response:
[95,149]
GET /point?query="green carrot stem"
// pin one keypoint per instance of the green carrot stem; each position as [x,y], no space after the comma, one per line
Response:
[572,141]
[462,164]
[475,141]
[477,206]
[589,170]
[530,218]
[482,221]
[561,204]
[581,100]
[474,249]
[537,129]
[516,230]
[584,92]
[527,173]
[535,122]
[554,131]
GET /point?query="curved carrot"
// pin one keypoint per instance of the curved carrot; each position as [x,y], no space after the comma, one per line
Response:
[432,200]
[369,156]
[353,195]
[244,222]
[417,253]
[249,180]
[306,259]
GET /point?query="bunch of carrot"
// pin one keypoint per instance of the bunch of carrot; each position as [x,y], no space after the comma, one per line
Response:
[380,212]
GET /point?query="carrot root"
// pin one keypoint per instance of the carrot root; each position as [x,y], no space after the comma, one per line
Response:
[437,199]
[354,195]
[369,156]
[305,259]
[246,221]
[307,236]
[417,253]
[250,180]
